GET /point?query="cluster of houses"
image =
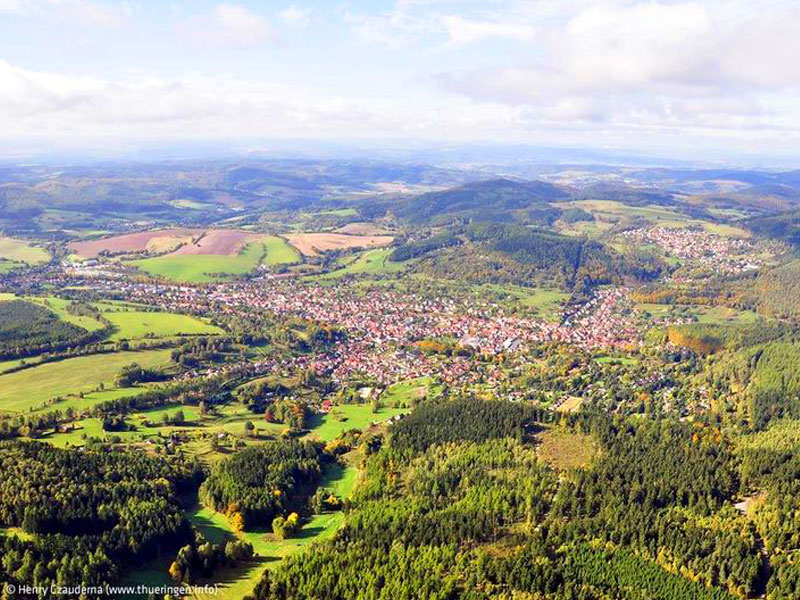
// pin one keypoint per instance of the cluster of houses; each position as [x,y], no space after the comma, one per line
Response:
[698,248]
[385,326]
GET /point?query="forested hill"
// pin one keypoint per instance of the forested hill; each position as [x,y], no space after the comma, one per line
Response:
[783,226]
[501,253]
[483,200]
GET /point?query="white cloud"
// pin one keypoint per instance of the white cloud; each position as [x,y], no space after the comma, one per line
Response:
[197,106]
[299,17]
[229,24]
[629,63]
[466,31]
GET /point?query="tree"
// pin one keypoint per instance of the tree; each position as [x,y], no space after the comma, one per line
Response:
[237,522]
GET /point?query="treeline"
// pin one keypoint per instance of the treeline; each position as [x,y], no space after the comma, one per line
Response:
[773,466]
[463,419]
[201,558]
[257,484]
[27,329]
[419,248]
[460,518]
[88,513]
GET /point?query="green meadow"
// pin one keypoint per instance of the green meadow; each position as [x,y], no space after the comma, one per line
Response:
[349,416]
[372,262]
[30,388]
[205,268]
[279,251]
[20,251]
[133,325]
[236,583]
[712,315]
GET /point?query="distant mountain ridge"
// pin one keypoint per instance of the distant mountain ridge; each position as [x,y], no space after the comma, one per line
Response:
[482,200]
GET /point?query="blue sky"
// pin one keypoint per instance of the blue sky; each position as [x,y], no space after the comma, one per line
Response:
[658,76]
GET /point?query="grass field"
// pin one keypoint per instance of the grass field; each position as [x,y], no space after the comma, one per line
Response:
[59,307]
[132,325]
[238,582]
[92,398]
[279,251]
[401,394]
[349,416]
[20,251]
[373,262]
[714,315]
[204,268]
[32,387]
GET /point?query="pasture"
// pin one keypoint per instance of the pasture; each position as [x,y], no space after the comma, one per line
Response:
[238,582]
[403,393]
[194,267]
[349,416]
[372,262]
[33,387]
[202,268]
[59,307]
[278,251]
[19,251]
[134,325]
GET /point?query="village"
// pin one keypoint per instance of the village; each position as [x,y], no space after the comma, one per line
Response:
[696,248]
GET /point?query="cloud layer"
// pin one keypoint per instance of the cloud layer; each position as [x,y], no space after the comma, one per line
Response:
[605,72]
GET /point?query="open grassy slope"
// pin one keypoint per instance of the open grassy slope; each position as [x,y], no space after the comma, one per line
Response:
[30,388]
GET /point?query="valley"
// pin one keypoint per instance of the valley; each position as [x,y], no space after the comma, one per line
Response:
[481,388]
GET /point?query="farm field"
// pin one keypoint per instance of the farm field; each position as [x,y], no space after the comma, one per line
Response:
[279,251]
[372,262]
[19,251]
[362,229]
[312,244]
[32,387]
[157,241]
[202,268]
[133,325]
[205,268]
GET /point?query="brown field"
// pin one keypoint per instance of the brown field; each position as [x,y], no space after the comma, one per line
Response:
[226,242]
[312,244]
[362,229]
[132,242]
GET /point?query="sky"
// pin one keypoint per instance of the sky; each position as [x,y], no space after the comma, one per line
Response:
[697,78]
